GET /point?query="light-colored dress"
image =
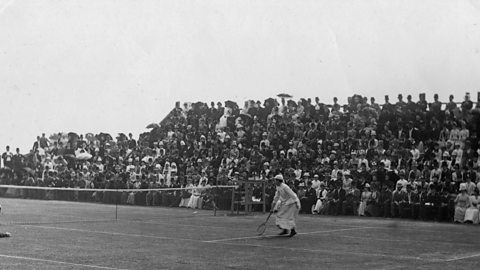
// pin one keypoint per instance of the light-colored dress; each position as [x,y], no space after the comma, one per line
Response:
[462,202]
[196,200]
[472,213]
[366,196]
[186,199]
[288,205]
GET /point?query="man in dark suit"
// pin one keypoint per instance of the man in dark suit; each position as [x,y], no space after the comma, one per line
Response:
[339,195]
[308,199]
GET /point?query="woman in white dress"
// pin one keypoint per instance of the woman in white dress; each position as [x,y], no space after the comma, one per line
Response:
[365,197]
[461,203]
[322,197]
[196,199]
[472,212]
[186,194]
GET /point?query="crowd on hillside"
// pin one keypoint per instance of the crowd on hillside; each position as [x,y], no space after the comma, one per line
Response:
[403,159]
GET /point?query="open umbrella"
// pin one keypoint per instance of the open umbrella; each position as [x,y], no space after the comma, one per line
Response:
[291,103]
[246,118]
[269,103]
[104,137]
[231,104]
[153,125]
[73,135]
[82,155]
[284,95]
[122,137]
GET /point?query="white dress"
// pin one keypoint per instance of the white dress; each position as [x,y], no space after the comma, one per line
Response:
[196,200]
[366,195]
[472,213]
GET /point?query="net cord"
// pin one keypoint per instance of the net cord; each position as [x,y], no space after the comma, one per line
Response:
[115,190]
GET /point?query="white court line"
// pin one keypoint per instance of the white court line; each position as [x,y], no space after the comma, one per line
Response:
[462,257]
[110,233]
[181,225]
[403,240]
[57,262]
[328,251]
[315,232]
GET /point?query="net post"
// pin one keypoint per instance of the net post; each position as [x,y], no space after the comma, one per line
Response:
[215,200]
[116,201]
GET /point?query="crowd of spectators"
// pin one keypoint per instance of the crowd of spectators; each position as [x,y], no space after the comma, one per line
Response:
[403,159]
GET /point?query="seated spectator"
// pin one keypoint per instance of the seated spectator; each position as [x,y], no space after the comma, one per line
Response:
[471,214]
[461,203]
[352,200]
[366,197]
[398,197]
[308,199]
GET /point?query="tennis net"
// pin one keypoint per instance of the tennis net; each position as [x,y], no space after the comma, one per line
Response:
[32,204]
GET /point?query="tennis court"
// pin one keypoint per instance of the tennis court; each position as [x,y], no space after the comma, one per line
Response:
[74,235]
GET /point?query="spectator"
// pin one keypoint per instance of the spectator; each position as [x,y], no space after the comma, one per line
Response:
[7,158]
[366,197]
[461,203]
[471,214]
[308,199]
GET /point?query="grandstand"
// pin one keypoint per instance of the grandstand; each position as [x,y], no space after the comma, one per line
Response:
[404,160]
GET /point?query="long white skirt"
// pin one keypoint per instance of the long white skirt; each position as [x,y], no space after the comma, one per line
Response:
[184,202]
[472,214]
[361,208]
[317,208]
[195,202]
[287,216]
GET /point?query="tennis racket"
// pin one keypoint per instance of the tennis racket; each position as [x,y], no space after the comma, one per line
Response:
[262,227]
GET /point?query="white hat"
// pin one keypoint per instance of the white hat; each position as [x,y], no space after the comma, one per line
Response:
[279,177]
[367,185]
[306,174]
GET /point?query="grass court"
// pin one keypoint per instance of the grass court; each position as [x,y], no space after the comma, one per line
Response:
[73,235]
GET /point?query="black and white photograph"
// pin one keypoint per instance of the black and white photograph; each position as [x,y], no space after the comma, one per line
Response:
[239,134]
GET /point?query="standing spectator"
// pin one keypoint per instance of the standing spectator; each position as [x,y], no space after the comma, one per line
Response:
[44,142]
[467,104]
[7,158]
[131,141]
[17,162]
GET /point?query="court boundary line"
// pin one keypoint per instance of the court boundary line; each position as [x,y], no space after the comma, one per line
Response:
[58,262]
[328,251]
[458,258]
[406,240]
[303,233]
[110,233]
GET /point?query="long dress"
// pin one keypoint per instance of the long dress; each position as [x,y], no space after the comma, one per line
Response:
[472,213]
[366,195]
[320,205]
[462,201]
[186,194]
[288,205]
[196,199]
